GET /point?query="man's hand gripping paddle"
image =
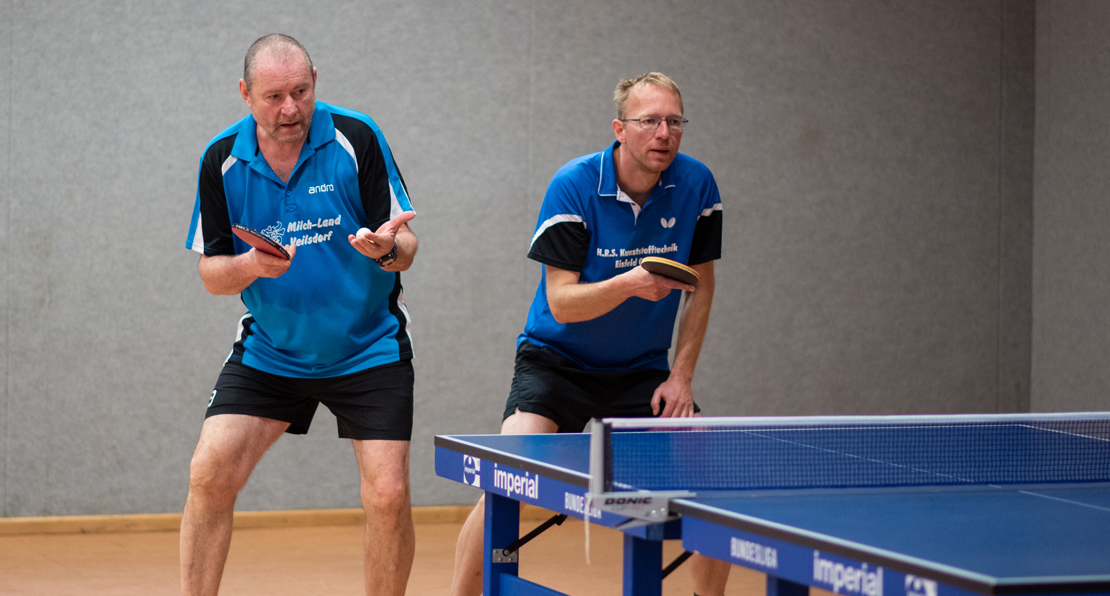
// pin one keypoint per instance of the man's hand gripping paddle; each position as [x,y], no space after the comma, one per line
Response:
[671,270]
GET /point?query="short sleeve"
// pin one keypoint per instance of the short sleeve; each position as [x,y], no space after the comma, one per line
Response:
[561,238]
[706,244]
[210,230]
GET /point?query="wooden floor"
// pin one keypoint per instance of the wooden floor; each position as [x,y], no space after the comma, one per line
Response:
[301,561]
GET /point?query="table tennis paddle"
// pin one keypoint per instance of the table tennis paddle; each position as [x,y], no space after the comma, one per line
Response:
[671,270]
[259,241]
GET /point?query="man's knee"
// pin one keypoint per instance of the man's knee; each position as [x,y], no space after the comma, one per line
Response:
[213,476]
[527,423]
[386,495]
[227,451]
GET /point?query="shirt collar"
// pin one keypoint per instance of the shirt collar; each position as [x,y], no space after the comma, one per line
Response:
[607,176]
[320,132]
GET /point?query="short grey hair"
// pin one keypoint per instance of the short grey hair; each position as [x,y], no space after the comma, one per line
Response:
[658,79]
[276,41]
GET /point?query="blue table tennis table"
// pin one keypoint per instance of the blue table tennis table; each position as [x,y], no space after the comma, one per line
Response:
[859,506]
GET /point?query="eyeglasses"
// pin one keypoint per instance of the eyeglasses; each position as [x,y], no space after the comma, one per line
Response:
[674,124]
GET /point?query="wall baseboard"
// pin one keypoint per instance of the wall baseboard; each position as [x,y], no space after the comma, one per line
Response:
[164,522]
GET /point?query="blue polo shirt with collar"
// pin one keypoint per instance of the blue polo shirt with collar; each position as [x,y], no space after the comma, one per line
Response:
[587,224]
[334,312]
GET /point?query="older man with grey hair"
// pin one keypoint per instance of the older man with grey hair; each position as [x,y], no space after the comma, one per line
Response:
[325,321]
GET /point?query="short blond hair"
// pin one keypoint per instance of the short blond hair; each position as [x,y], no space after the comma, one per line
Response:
[620,96]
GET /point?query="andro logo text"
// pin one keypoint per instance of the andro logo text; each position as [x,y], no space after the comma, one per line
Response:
[321,188]
[764,556]
[850,579]
[526,485]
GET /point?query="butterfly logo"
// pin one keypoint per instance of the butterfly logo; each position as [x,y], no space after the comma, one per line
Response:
[667,223]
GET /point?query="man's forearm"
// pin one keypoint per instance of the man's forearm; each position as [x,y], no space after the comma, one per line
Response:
[407,245]
[231,274]
[693,325]
[572,303]
[224,275]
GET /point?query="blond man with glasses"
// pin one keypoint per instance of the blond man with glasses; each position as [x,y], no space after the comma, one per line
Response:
[599,330]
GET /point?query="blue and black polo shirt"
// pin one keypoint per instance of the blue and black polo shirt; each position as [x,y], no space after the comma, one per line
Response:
[588,225]
[334,312]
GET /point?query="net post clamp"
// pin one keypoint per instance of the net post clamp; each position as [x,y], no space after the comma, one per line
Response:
[644,506]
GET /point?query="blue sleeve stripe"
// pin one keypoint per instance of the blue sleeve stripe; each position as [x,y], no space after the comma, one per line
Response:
[196,234]
[397,193]
[395,207]
[197,244]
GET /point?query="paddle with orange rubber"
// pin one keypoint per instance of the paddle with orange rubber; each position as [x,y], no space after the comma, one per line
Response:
[671,270]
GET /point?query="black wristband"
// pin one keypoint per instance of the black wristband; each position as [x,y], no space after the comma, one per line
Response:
[388,258]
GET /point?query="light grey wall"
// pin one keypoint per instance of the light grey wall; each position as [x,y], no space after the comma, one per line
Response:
[1071,332]
[864,251]
[1015,205]
[869,153]
[6,44]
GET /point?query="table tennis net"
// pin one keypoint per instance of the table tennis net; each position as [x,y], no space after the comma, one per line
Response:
[839,454]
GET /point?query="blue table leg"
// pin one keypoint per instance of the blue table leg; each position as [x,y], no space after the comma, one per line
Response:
[780,587]
[501,529]
[643,566]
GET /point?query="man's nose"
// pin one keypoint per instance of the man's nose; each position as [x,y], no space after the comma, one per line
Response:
[289,107]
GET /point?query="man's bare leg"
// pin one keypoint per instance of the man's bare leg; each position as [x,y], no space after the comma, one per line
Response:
[710,575]
[230,446]
[467,580]
[389,539]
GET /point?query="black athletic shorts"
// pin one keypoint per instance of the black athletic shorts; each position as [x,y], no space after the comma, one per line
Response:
[549,384]
[373,404]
